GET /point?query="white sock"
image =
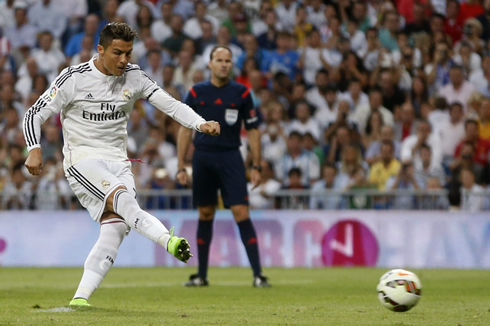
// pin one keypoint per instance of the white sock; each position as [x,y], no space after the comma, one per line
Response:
[146,224]
[102,256]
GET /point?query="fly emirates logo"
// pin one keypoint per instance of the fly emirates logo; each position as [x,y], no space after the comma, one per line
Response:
[108,113]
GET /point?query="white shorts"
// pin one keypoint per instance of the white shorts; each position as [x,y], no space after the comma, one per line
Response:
[92,180]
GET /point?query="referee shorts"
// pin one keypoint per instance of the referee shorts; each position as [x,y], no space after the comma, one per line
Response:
[218,170]
[92,180]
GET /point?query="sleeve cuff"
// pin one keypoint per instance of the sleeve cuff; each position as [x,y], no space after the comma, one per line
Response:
[198,125]
[32,147]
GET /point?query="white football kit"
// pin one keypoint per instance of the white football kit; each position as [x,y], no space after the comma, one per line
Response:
[94,111]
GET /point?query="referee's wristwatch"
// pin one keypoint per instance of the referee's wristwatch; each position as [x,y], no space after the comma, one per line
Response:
[257,167]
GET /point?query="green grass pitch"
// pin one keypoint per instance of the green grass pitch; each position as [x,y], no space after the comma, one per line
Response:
[154,296]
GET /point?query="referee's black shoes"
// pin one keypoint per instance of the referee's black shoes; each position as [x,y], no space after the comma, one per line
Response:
[196,280]
[261,282]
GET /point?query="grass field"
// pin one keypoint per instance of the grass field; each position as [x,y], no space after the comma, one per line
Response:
[154,296]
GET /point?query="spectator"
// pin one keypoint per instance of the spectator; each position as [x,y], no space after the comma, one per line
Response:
[427,169]
[294,183]
[268,39]
[316,94]
[316,14]
[87,51]
[431,200]
[360,182]
[48,58]
[24,84]
[453,25]
[472,31]
[183,74]
[286,11]
[7,14]
[297,157]
[274,144]
[325,115]
[393,97]
[17,192]
[129,11]
[144,18]
[46,15]
[154,69]
[90,29]
[373,51]
[310,55]
[5,63]
[251,50]
[388,166]
[437,113]
[407,126]
[437,71]
[354,94]
[173,43]
[207,37]
[468,59]
[22,35]
[362,113]
[484,121]
[481,146]
[405,180]
[184,8]
[218,10]
[350,68]
[262,197]
[160,181]
[420,23]
[387,35]
[9,125]
[458,90]
[160,29]
[451,132]
[343,119]
[52,143]
[53,191]
[283,59]
[411,146]
[372,132]
[192,27]
[320,198]
[351,161]
[303,122]
[419,94]
[357,37]
[480,77]
[485,20]
[223,38]
[471,193]
[302,26]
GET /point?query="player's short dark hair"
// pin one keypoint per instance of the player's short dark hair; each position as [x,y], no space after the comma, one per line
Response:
[116,31]
[217,47]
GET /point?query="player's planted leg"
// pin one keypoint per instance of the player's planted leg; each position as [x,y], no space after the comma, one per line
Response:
[100,259]
[148,225]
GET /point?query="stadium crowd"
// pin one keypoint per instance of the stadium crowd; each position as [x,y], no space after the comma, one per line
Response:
[353,94]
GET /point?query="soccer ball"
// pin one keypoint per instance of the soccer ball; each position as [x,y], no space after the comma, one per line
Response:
[399,290]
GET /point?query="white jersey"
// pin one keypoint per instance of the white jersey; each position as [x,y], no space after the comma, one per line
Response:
[95,110]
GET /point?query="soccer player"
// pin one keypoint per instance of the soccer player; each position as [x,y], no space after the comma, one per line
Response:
[95,100]
[217,163]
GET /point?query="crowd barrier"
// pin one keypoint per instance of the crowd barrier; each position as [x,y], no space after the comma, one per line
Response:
[287,238]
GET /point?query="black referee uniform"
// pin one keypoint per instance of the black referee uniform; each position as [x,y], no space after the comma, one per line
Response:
[217,162]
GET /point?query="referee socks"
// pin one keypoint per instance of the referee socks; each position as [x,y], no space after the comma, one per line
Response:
[249,239]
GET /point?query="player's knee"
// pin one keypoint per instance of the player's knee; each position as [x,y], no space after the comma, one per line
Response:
[109,204]
[240,212]
[108,215]
[206,213]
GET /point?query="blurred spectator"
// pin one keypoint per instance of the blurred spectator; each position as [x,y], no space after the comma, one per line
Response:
[251,50]
[7,15]
[485,20]
[310,55]
[155,68]
[325,115]
[302,27]
[8,99]
[407,126]
[372,132]
[437,71]
[48,58]
[183,74]
[18,192]
[22,35]
[426,169]
[144,18]
[262,197]
[470,9]
[453,25]
[481,146]
[297,157]
[350,68]
[316,94]
[5,63]
[471,193]
[52,143]
[472,31]
[411,146]
[129,10]
[458,90]
[329,181]
[303,122]
[109,13]
[173,43]
[468,59]
[432,201]
[137,125]
[451,132]
[160,181]
[419,94]
[237,23]
[393,97]
[373,50]
[435,114]
[283,59]
[343,119]
[86,53]
[388,166]
[480,77]
[293,182]
[335,145]
[24,83]
[223,38]
[387,34]
[316,14]
[484,120]
[362,113]
[286,11]
[373,152]
[268,39]
[356,36]
[218,10]
[206,39]
[53,191]
[160,29]
[360,182]
[91,27]
[184,8]
[354,95]
[9,124]
[351,161]
[192,27]
[405,180]
[46,15]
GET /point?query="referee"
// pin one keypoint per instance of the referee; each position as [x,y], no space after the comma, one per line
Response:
[217,162]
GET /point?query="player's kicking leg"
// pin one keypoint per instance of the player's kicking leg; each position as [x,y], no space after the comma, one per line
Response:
[241,214]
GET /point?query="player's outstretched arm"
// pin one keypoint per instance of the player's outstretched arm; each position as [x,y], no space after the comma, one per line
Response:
[211,128]
[183,141]
[34,162]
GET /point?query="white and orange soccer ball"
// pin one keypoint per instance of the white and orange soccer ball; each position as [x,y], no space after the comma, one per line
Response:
[399,290]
